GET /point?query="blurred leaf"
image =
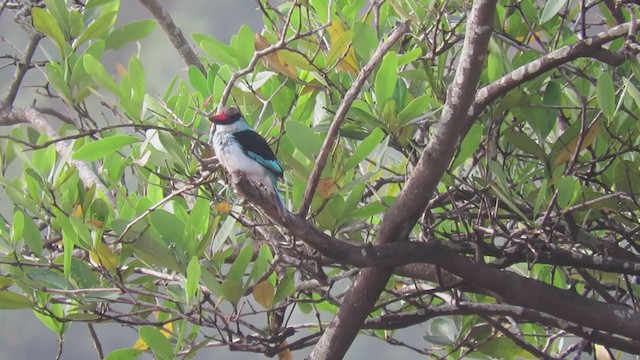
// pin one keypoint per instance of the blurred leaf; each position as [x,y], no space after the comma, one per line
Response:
[238,268]
[341,43]
[286,286]
[627,177]
[245,46]
[263,294]
[416,107]
[304,139]
[551,8]
[524,143]
[97,71]
[168,225]
[232,290]
[193,277]
[31,234]
[606,95]
[124,354]
[364,149]
[12,301]
[566,151]
[45,22]
[100,148]
[553,99]
[219,51]
[386,78]
[157,342]
[103,256]
[567,188]
[197,79]
[96,28]
[469,144]
[133,31]
[17,226]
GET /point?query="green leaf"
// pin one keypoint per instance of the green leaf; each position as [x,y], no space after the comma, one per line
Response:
[219,51]
[193,277]
[245,45]
[124,354]
[133,31]
[304,139]
[57,80]
[551,8]
[12,301]
[17,226]
[286,286]
[197,225]
[409,56]
[96,28]
[627,177]
[469,144]
[606,95]
[524,143]
[567,188]
[364,149]
[46,23]
[157,342]
[95,3]
[58,9]
[552,98]
[231,290]
[197,80]
[103,147]
[31,234]
[416,107]
[239,266]
[98,72]
[168,225]
[386,78]
[365,39]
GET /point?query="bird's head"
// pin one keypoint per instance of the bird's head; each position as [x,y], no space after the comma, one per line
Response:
[226,116]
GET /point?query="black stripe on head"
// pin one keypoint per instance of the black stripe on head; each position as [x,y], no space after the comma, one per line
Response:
[227,115]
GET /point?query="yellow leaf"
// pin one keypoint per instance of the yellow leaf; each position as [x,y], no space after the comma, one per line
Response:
[326,187]
[349,63]
[95,223]
[103,256]
[167,330]
[140,345]
[263,293]
[121,70]
[77,211]
[222,207]
[273,60]
[567,151]
[285,354]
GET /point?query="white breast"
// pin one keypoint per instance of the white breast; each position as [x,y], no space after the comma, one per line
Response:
[233,158]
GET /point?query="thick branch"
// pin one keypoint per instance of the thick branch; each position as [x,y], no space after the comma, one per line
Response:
[501,284]
[403,215]
[341,114]
[174,34]
[9,116]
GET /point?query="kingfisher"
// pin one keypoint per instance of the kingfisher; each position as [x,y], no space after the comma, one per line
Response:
[240,148]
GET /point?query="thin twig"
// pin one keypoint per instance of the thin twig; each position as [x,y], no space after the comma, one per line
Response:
[341,113]
[96,341]
[21,69]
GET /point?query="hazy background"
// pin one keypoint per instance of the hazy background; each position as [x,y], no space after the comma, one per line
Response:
[22,335]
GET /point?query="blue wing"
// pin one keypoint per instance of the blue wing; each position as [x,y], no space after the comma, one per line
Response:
[256,147]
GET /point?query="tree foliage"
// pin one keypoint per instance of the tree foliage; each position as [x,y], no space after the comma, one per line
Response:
[467,170]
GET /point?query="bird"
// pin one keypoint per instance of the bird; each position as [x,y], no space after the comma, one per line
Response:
[240,148]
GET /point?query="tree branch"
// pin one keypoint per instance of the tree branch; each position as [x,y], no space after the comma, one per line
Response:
[403,215]
[21,69]
[341,114]
[174,34]
[10,116]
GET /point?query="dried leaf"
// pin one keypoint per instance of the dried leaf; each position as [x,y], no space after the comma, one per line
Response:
[274,61]
[222,207]
[263,294]
[326,187]
[349,63]
[567,151]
